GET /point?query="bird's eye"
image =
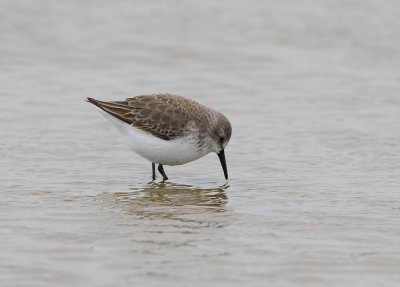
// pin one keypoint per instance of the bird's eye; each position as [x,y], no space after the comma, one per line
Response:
[221,139]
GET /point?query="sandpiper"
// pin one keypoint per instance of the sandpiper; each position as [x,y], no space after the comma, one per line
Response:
[168,129]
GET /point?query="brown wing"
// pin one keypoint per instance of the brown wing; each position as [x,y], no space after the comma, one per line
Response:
[162,115]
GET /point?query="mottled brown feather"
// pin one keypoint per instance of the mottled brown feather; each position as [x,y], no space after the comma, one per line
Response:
[163,115]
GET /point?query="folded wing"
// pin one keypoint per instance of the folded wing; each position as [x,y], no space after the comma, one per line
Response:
[161,115]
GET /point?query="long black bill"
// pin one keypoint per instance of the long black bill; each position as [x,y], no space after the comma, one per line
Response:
[221,156]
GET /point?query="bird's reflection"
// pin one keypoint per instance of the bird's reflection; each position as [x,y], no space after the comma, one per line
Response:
[175,194]
[168,200]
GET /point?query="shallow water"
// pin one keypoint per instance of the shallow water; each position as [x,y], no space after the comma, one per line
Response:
[312,91]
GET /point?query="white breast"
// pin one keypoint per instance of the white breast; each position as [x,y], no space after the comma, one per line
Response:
[172,152]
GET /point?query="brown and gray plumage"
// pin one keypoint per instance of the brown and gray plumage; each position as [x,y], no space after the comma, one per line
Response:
[168,129]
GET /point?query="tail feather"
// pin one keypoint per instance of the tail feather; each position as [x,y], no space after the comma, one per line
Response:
[117,109]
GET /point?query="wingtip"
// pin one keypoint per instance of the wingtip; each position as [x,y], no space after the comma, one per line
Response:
[92,101]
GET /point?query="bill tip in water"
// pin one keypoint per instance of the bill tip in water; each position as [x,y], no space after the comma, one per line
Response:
[221,156]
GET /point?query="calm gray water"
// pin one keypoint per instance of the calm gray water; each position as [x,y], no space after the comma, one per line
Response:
[312,89]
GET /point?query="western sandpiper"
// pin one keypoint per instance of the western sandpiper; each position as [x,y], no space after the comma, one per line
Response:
[168,129]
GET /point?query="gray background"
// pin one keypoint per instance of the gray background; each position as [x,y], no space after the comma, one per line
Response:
[312,90]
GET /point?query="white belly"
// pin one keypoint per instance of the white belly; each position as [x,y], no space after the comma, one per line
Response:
[173,152]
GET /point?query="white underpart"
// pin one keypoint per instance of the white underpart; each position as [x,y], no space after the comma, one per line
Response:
[172,152]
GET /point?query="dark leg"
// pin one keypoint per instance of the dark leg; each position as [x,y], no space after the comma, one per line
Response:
[161,170]
[153,166]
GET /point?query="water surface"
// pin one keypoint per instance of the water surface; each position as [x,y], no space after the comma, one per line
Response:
[312,91]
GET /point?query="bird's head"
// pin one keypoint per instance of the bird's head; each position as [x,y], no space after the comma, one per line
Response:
[221,136]
[221,133]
